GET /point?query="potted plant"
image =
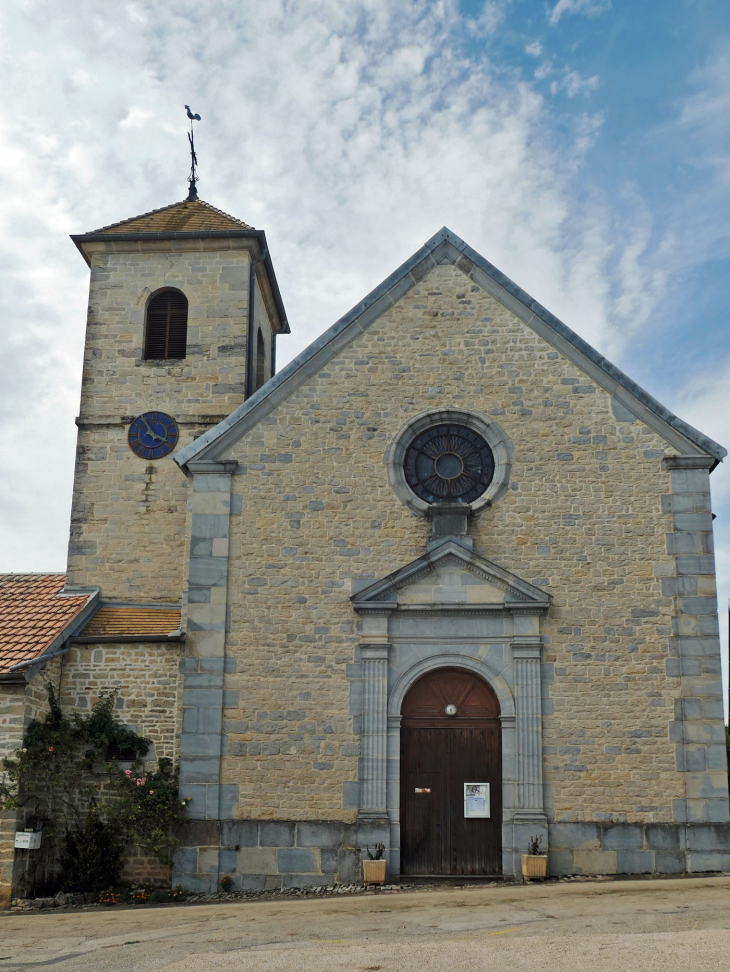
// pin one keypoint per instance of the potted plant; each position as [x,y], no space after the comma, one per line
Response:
[373,869]
[534,864]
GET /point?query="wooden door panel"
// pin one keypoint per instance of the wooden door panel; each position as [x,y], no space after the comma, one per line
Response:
[422,752]
[440,755]
[476,844]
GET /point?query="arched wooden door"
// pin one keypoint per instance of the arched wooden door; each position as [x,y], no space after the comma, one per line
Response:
[440,752]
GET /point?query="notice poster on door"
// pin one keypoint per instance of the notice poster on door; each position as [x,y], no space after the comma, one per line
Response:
[476,800]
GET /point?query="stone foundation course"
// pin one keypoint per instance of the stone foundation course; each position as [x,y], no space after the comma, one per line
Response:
[263,855]
[260,855]
[641,848]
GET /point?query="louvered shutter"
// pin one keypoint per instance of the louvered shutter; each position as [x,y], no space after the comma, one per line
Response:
[167,325]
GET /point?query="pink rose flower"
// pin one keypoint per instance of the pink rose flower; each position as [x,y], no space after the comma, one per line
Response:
[151,792]
[139,782]
[127,772]
[50,749]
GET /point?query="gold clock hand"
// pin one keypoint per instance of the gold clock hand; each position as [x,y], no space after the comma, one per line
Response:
[149,429]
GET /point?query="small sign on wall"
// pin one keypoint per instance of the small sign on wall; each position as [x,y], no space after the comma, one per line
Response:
[476,800]
[28,841]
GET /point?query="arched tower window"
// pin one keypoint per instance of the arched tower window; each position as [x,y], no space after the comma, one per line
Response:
[260,361]
[166,333]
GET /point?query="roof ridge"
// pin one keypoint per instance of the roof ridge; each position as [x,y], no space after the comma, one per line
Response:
[34,573]
[162,209]
[447,247]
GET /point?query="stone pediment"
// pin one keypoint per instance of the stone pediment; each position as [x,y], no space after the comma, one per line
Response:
[451,576]
[446,248]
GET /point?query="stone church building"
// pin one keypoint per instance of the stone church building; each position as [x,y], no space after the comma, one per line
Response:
[445,581]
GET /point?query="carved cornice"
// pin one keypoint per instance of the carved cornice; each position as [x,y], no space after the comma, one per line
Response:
[376,651]
[527,650]
[475,610]
[204,467]
[688,462]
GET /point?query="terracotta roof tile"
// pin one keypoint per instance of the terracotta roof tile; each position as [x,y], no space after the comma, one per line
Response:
[180,217]
[132,621]
[32,615]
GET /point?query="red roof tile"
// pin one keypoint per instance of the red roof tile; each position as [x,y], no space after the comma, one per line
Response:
[32,615]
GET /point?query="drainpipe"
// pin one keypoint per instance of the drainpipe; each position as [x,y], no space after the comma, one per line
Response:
[39,660]
[250,350]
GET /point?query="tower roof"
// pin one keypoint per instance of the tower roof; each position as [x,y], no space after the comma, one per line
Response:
[194,216]
[182,221]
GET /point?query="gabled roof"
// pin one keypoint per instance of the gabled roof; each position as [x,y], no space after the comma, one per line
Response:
[630,400]
[515,592]
[193,216]
[34,616]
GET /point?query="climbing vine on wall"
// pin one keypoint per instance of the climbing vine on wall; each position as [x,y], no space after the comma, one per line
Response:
[82,781]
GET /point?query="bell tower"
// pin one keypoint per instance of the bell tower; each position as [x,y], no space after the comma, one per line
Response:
[184,312]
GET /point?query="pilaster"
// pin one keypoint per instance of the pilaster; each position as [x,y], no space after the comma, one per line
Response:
[373,801]
[529,815]
[204,694]
[698,729]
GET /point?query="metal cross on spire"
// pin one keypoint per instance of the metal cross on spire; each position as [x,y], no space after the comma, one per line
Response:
[193,177]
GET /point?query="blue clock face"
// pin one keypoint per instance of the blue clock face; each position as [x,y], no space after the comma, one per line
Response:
[152,435]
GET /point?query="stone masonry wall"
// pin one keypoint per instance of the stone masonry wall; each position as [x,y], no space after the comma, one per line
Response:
[150,687]
[128,517]
[12,706]
[19,705]
[148,679]
[583,518]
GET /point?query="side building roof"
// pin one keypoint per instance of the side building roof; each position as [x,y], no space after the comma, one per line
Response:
[629,399]
[36,618]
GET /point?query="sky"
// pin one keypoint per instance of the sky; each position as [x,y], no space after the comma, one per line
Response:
[580,145]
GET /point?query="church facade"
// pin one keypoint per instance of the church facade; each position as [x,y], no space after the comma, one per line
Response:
[445,581]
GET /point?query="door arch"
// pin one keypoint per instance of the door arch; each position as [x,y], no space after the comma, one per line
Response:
[440,752]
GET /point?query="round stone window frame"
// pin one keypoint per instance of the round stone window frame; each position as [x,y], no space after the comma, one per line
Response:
[493,434]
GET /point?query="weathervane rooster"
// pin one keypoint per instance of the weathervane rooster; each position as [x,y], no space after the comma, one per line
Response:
[193,178]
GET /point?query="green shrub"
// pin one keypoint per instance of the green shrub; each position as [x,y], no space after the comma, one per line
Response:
[91,856]
[68,781]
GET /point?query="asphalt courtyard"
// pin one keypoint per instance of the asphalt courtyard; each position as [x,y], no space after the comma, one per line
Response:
[613,926]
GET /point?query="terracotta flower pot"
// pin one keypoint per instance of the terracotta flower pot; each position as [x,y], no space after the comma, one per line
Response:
[373,872]
[534,866]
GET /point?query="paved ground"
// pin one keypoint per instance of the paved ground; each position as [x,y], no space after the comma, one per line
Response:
[628,926]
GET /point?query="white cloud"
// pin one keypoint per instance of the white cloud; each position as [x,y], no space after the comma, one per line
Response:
[534,49]
[137,117]
[700,135]
[350,132]
[588,8]
[489,19]
[574,83]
